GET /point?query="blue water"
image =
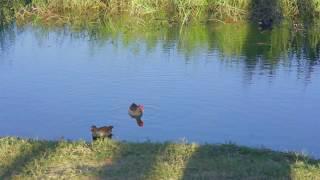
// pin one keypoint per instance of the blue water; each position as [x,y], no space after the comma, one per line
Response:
[57,84]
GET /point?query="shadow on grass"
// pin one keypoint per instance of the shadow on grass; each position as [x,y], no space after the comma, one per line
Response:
[133,161]
[187,161]
[38,149]
[229,161]
[123,160]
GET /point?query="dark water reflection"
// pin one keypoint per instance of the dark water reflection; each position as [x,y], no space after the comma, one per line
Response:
[206,83]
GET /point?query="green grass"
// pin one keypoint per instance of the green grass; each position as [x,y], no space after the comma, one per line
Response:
[86,12]
[8,9]
[109,159]
[182,11]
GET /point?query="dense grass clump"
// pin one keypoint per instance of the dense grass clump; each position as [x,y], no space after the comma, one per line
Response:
[8,9]
[34,159]
[60,12]
[182,11]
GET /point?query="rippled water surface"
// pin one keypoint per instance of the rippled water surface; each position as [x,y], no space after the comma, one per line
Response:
[204,83]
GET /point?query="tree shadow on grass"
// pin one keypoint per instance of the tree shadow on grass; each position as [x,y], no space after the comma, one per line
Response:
[133,161]
[27,155]
[229,161]
[187,161]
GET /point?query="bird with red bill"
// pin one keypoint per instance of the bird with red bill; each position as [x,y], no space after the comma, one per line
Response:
[136,112]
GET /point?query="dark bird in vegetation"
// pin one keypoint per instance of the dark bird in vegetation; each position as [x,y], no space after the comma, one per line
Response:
[101,132]
[265,24]
[136,112]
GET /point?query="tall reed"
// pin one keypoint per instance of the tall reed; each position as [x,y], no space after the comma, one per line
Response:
[182,11]
[8,8]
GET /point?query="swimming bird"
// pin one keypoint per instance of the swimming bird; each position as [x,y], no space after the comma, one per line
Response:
[265,24]
[101,132]
[136,112]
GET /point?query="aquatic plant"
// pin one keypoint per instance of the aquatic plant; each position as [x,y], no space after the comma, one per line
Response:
[182,11]
[8,8]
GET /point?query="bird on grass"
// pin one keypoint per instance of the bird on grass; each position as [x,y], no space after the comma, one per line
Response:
[101,132]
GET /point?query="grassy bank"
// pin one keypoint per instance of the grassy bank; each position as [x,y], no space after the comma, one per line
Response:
[181,11]
[33,159]
[8,10]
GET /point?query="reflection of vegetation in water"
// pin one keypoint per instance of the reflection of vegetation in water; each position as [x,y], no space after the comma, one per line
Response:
[242,42]
[307,46]
[7,36]
[257,49]
[229,39]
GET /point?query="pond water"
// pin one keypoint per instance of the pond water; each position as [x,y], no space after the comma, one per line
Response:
[210,83]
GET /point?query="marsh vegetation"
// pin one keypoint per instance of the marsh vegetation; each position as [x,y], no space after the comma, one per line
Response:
[168,11]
